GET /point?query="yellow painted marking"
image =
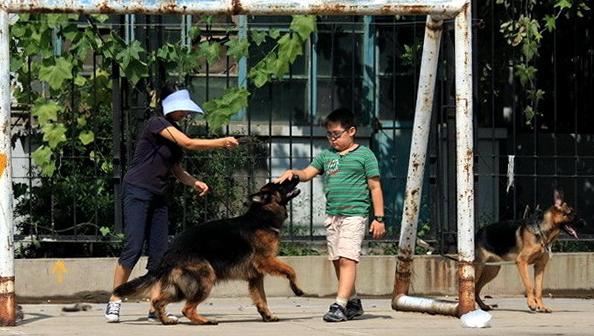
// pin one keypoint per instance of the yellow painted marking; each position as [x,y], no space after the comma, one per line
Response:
[59,269]
[3,163]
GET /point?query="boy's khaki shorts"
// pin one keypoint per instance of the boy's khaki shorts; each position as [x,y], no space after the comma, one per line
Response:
[344,236]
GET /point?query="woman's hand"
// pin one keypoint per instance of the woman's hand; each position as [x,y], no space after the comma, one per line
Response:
[228,142]
[201,188]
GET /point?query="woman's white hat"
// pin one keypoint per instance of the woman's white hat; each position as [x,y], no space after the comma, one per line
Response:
[180,101]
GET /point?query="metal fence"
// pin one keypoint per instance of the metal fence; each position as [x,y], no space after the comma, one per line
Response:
[366,64]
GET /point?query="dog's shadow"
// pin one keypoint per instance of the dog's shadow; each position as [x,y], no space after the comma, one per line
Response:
[222,320]
[35,317]
[529,312]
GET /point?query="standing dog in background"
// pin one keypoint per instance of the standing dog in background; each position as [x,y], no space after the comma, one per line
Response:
[527,241]
[242,248]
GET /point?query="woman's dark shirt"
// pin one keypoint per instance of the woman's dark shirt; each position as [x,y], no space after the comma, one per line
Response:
[154,156]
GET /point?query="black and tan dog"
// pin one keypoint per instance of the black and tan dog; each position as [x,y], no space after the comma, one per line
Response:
[243,248]
[527,241]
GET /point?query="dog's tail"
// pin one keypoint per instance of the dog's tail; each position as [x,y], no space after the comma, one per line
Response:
[136,286]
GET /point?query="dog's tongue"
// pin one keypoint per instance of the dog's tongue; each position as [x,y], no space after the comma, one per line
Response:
[570,231]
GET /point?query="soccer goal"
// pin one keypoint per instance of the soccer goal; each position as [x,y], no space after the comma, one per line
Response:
[436,11]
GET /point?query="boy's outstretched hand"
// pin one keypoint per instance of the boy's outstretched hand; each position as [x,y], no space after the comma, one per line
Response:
[377,229]
[287,175]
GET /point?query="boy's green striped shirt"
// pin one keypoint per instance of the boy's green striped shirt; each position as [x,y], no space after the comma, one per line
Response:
[345,180]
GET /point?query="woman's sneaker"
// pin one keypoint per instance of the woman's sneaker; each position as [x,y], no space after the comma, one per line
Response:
[152,317]
[336,313]
[112,311]
[354,308]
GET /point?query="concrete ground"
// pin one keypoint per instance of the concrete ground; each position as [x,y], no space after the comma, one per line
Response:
[302,316]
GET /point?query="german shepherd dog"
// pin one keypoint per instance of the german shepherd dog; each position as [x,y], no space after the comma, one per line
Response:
[527,241]
[243,248]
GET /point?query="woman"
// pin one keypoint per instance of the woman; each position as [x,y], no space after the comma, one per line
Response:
[157,156]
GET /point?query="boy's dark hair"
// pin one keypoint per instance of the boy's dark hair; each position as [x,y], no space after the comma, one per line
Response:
[343,116]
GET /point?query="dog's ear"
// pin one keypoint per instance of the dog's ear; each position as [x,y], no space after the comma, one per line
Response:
[558,198]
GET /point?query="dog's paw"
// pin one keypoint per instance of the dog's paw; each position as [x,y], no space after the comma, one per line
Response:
[297,290]
[211,322]
[170,321]
[270,318]
[487,307]
[204,322]
[544,309]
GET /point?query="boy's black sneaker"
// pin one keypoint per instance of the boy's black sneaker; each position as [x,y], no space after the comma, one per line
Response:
[336,313]
[354,308]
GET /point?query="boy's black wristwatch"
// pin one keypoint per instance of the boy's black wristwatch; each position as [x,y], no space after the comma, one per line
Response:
[379,218]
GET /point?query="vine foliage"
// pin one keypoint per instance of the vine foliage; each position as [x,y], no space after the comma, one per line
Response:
[61,69]
[527,24]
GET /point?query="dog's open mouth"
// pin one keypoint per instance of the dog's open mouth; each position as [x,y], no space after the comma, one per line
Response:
[570,230]
[292,194]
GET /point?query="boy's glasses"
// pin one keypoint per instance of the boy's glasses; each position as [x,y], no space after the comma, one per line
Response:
[335,135]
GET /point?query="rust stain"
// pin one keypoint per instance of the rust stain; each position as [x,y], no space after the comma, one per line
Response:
[7,302]
[236,7]
[3,163]
[465,287]
[434,26]
[403,273]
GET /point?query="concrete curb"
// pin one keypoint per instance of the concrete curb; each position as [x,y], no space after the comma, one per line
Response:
[90,279]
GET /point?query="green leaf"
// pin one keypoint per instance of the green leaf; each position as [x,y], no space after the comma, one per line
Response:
[42,157]
[274,33]
[529,113]
[56,20]
[219,111]
[104,230]
[100,17]
[81,121]
[530,49]
[210,51]
[46,112]
[550,23]
[303,25]
[258,37]
[18,30]
[130,54]
[562,4]
[259,76]
[280,67]
[107,167]
[525,73]
[135,70]
[237,48]
[194,32]
[54,134]
[56,74]
[86,137]
[290,47]
[80,81]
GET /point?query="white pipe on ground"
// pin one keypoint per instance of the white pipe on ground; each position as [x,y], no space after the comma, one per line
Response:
[425,305]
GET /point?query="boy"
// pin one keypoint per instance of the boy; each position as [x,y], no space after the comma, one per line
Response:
[351,175]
